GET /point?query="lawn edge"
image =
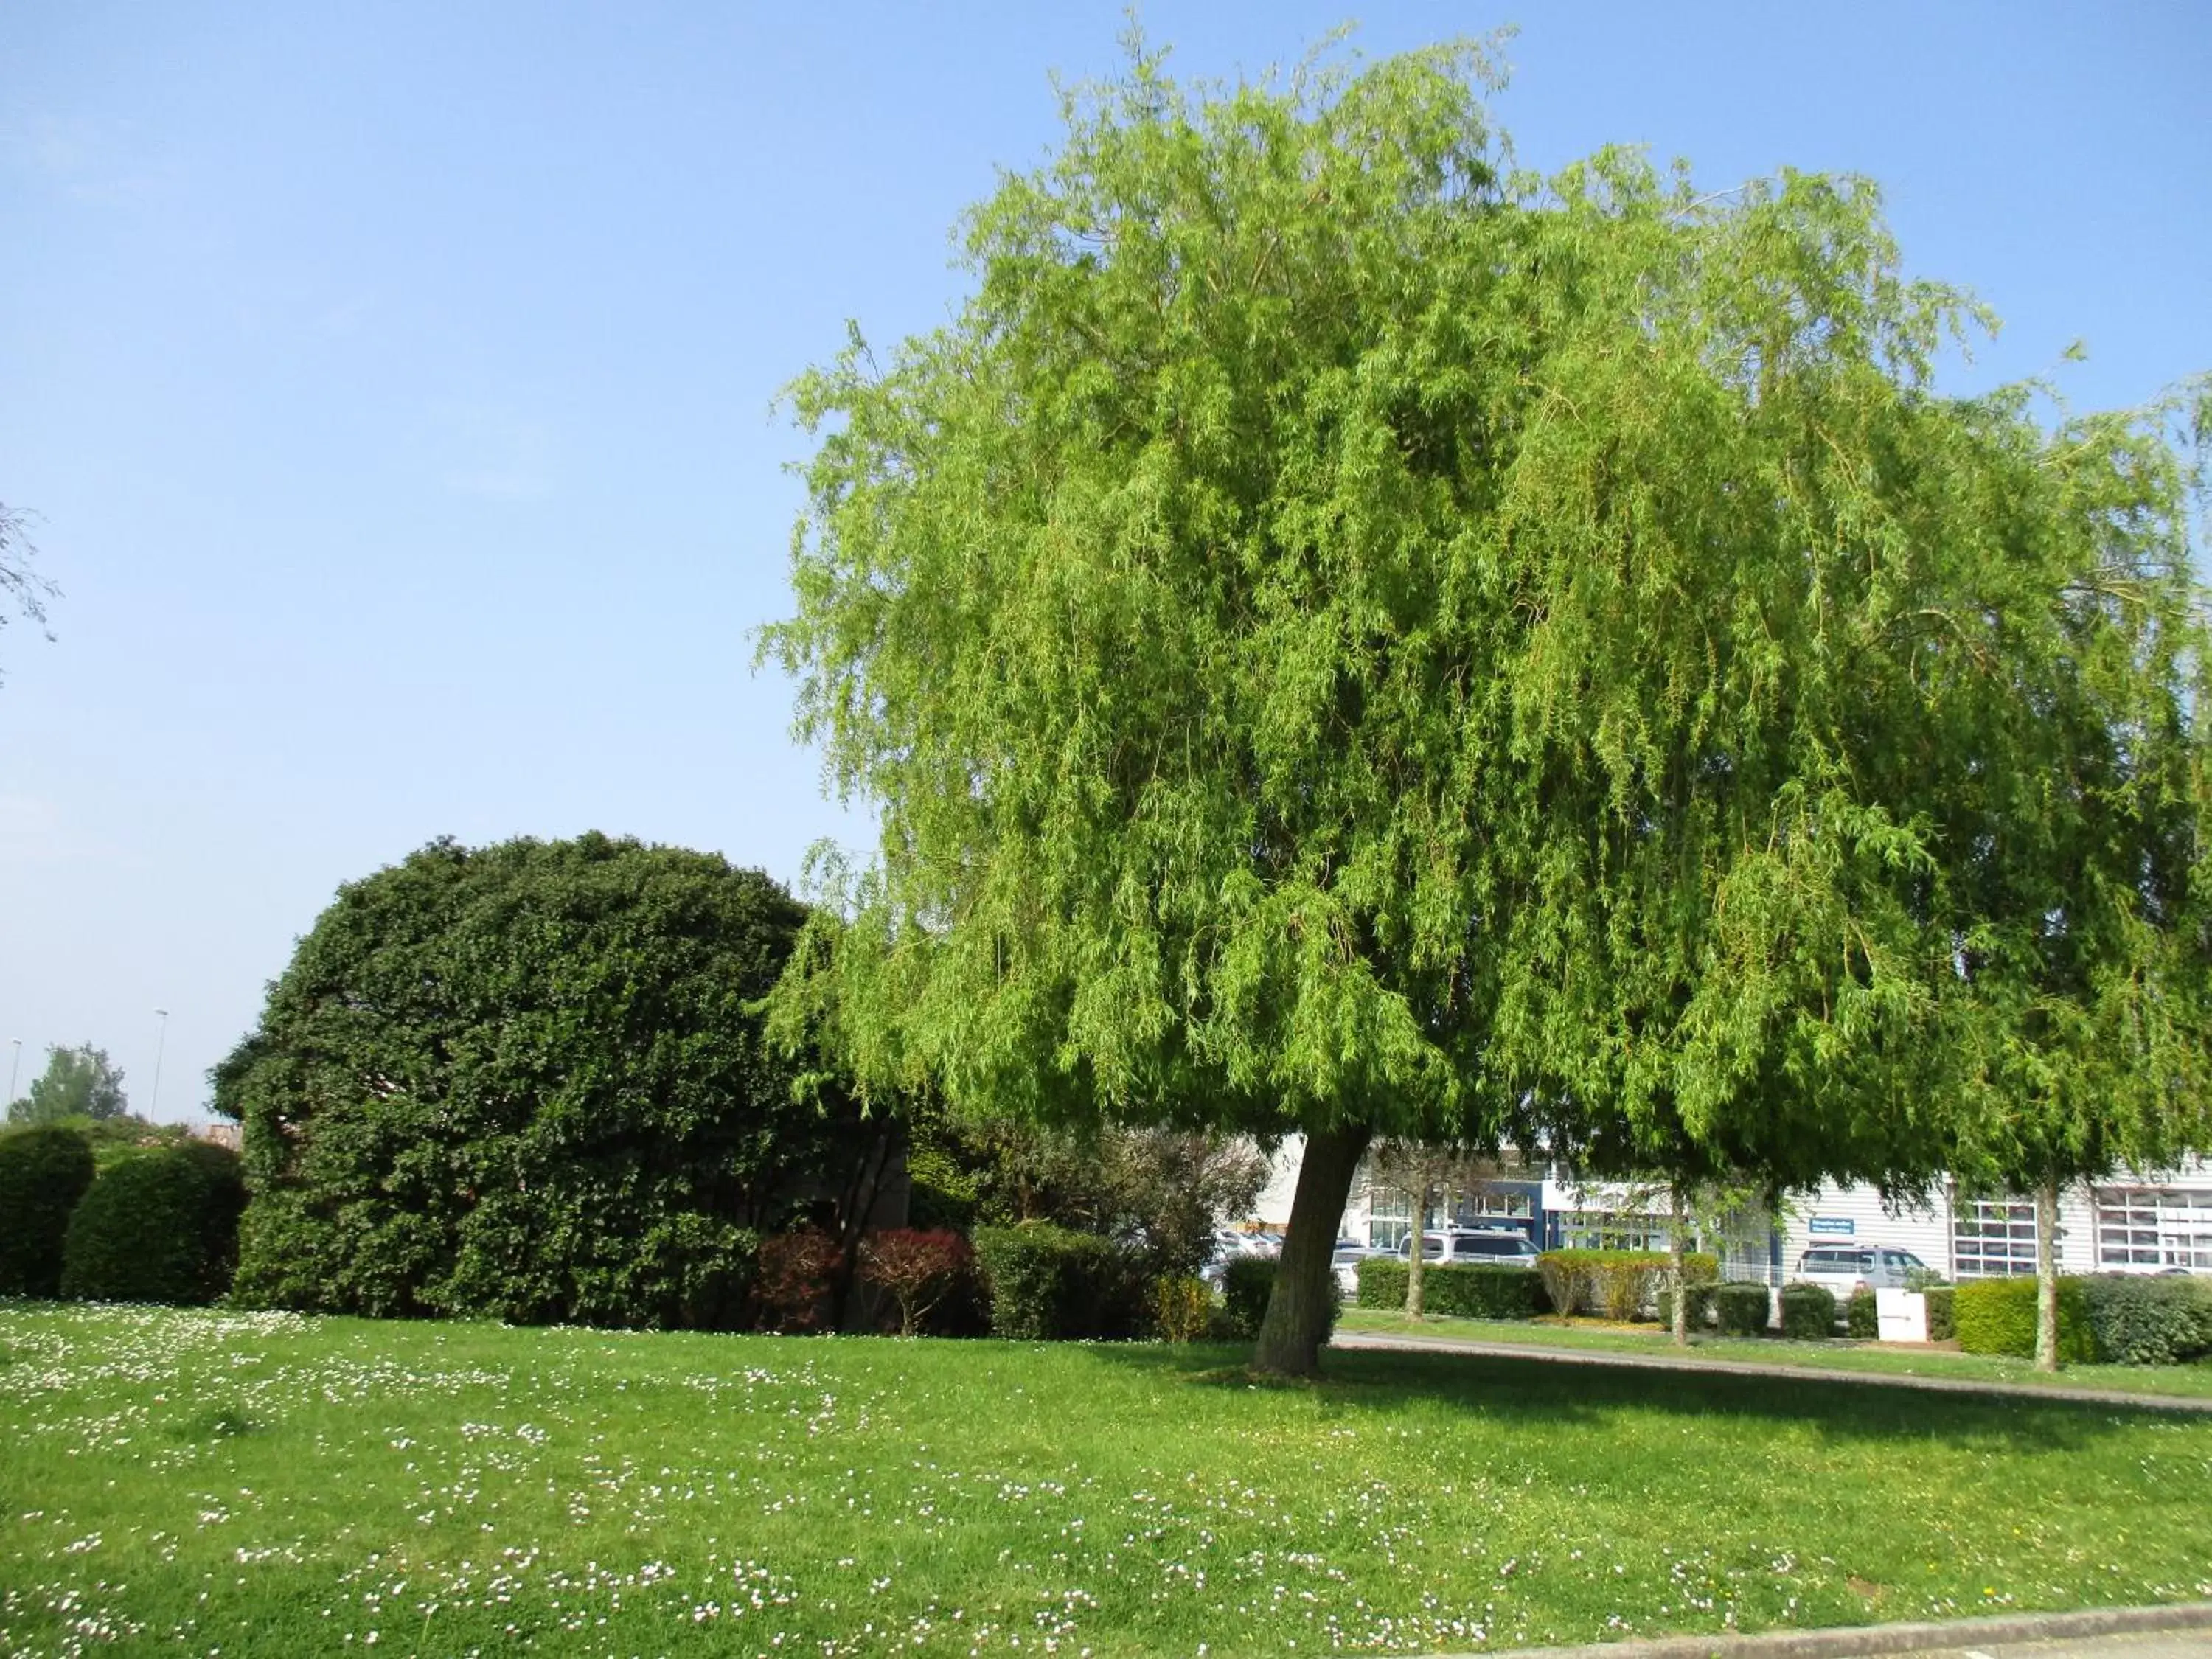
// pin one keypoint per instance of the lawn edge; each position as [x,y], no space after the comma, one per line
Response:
[1838,1640]
[1406,1342]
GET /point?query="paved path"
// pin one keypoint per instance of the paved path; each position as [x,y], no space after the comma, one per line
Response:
[2179,1630]
[1668,1362]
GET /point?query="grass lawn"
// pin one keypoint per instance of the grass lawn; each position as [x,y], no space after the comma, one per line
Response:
[1839,1355]
[260,1484]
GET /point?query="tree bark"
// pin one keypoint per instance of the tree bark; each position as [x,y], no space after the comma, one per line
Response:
[2046,1276]
[1414,1264]
[1674,1232]
[1299,1306]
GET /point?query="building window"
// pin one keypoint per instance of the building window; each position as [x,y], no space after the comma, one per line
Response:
[1604,1230]
[1488,1206]
[2154,1227]
[1992,1238]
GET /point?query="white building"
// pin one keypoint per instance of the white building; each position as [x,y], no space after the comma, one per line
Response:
[2129,1223]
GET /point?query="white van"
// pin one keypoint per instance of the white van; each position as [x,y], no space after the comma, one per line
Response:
[1845,1268]
[1492,1247]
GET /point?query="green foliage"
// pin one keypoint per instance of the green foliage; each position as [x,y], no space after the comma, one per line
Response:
[79,1081]
[1741,1308]
[2148,1320]
[1339,632]
[1048,1283]
[1809,1312]
[1182,1307]
[159,1227]
[44,1172]
[1701,1298]
[1159,1192]
[1619,1283]
[1942,1316]
[1997,1316]
[1247,1282]
[1861,1316]
[1462,1290]
[528,1082]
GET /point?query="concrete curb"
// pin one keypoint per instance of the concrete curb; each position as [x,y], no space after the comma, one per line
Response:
[1410,1344]
[1837,1641]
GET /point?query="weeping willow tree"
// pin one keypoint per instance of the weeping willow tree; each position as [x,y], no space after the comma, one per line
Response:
[1343,636]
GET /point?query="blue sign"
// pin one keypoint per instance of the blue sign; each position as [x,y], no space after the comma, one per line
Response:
[1834,1223]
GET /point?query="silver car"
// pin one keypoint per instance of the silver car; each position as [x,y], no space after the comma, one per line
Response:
[1845,1268]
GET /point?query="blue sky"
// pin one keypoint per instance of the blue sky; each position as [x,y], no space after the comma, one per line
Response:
[393,384]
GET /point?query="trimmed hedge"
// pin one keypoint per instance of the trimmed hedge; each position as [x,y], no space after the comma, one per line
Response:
[1861,1316]
[159,1227]
[1942,1325]
[44,1170]
[2137,1319]
[1741,1308]
[1809,1312]
[1701,1316]
[1048,1283]
[1464,1290]
[1997,1316]
[1247,1282]
[1618,1283]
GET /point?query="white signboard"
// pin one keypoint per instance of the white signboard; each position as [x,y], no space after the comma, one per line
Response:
[1901,1315]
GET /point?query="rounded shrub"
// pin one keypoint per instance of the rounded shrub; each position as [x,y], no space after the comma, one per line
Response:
[44,1172]
[1809,1312]
[2140,1320]
[1699,1313]
[159,1227]
[1247,1282]
[1740,1308]
[1861,1315]
[1048,1283]
[1941,1325]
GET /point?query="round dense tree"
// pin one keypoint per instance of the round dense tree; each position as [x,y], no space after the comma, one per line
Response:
[44,1172]
[526,1081]
[1345,636]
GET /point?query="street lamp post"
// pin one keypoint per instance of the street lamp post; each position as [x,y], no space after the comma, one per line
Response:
[161,1044]
[14,1066]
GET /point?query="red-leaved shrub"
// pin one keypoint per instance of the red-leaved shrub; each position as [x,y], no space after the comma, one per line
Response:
[919,1269]
[794,1279]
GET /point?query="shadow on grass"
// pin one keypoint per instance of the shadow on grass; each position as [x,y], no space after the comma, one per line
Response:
[1373,1380]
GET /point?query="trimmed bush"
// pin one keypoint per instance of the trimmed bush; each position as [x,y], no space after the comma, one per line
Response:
[1997,1316]
[1941,1326]
[1809,1312]
[1740,1308]
[1050,1283]
[44,1172]
[2142,1320]
[1861,1316]
[1247,1282]
[1462,1290]
[1700,1297]
[159,1227]
[1617,1282]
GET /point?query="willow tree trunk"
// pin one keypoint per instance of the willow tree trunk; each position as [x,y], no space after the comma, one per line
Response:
[1302,1301]
[1674,1232]
[1413,1262]
[2047,1277]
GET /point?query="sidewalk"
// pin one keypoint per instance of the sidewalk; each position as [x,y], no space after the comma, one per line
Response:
[2181,1631]
[1654,1362]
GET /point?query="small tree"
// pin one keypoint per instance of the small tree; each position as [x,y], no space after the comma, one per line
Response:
[79,1081]
[22,588]
[918,1269]
[1426,1171]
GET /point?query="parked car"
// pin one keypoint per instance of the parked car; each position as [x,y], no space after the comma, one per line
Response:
[1229,1243]
[1845,1268]
[1494,1247]
[1346,1260]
